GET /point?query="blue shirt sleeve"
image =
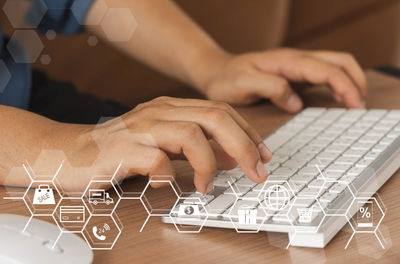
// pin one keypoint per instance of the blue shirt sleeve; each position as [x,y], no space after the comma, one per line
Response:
[63,16]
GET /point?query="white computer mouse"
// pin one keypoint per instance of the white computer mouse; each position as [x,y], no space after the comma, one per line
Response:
[35,245]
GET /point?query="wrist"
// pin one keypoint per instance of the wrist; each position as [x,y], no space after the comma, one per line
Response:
[205,66]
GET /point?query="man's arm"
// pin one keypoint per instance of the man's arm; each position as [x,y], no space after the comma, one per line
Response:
[169,41]
[165,39]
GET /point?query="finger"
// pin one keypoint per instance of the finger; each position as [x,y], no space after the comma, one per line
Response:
[224,130]
[149,161]
[275,88]
[188,138]
[251,132]
[348,63]
[320,72]
[224,161]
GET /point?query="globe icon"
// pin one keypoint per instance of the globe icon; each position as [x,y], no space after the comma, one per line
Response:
[277,197]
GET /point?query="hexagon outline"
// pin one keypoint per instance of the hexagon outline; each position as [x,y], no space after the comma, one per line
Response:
[202,223]
[320,223]
[103,181]
[366,199]
[115,240]
[277,181]
[247,231]
[149,214]
[71,198]
[26,193]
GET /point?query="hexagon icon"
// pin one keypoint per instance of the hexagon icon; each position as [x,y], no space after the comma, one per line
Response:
[277,195]
[42,197]
[101,197]
[306,214]
[5,76]
[368,214]
[14,8]
[102,232]
[152,204]
[71,214]
[99,7]
[113,30]
[247,215]
[189,214]
[25,46]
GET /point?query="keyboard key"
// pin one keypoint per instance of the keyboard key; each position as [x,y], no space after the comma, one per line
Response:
[347,179]
[220,204]
[328,197]
[195,198]
[355,153]
[317,183]
[302,178]
[285,171]
[372,155]
[338,168]
[245,182]
[296,186]
[337,188]
[355,171]
[309,171]
[309,192]
[276,140]
[364,163]
[238,189]
[223,181]
[346,160]
[294,164]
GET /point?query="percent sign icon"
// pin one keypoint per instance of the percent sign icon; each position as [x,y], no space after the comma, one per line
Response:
[365,214]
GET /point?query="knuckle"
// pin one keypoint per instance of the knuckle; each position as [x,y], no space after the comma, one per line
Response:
[162,99]
[190,130]
[159,159]
[217,115]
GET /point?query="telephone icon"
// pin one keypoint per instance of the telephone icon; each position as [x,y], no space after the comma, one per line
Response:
[99,233]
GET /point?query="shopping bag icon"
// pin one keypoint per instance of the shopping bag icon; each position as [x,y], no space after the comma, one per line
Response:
[43,195]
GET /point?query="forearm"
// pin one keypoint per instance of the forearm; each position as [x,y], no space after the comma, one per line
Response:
[24,135]
[167,40]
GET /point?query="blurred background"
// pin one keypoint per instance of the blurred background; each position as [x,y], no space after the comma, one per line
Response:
[369,29]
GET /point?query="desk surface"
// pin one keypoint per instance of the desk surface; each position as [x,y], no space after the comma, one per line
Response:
[161,242]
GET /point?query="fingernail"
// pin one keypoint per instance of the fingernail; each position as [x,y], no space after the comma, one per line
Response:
[210,187]
[294,103]
[261,171]
[264,151]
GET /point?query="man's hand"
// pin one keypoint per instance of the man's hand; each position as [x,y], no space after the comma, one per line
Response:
[210,135]
[247,78]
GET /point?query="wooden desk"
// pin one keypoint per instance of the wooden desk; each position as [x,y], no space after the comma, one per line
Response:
[161,243]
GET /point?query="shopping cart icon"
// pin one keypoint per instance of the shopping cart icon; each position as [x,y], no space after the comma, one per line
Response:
[305,215]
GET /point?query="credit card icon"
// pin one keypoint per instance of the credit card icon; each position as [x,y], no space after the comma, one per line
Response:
[72,214]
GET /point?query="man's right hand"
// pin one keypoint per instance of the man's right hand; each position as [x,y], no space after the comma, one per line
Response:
[210,135]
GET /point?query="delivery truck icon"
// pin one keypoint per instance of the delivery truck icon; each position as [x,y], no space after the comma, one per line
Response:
[100,196]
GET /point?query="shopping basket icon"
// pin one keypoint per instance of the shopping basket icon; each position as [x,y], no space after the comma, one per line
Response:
[305,215]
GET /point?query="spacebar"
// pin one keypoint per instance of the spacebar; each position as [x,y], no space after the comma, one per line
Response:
[220,204]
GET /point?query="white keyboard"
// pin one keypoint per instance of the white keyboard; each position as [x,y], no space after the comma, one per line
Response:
[322,158]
